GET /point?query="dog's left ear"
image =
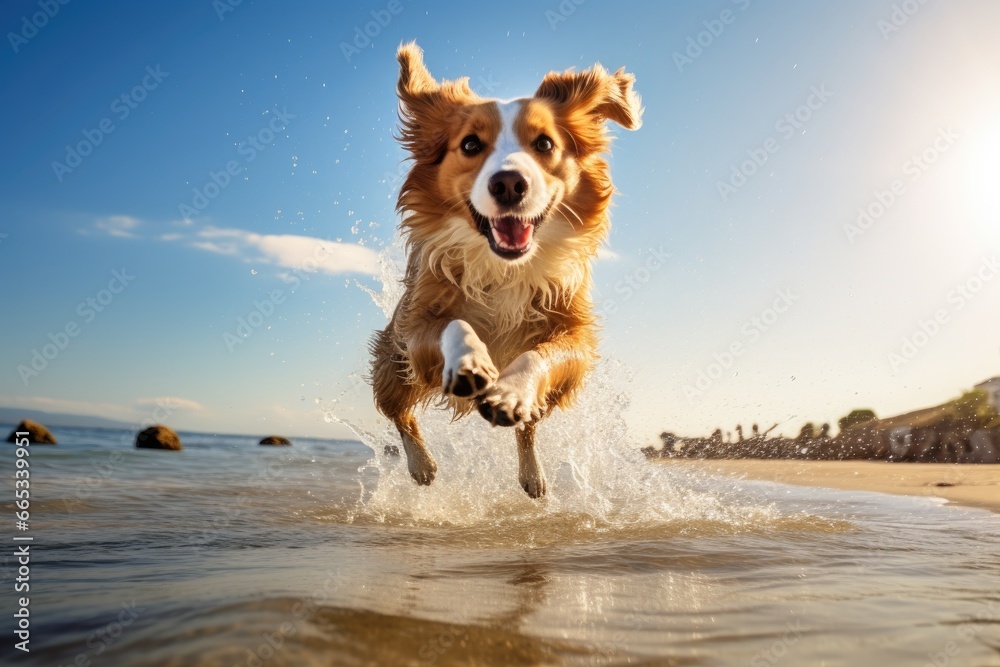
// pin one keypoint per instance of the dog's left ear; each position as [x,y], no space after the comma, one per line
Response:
[595,93]
[624,106]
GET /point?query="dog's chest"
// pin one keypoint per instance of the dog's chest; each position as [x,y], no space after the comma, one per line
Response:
[508,325]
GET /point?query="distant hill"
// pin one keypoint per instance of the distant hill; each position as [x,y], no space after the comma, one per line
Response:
[973,407]
[13,416]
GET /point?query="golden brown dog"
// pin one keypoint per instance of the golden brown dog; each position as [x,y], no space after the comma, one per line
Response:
[503,210]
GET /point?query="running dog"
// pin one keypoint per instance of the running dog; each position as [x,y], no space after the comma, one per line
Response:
[503,211]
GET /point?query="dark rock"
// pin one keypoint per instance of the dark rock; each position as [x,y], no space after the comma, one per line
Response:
[158,437]
[37,433]
[391,450]
[276,441]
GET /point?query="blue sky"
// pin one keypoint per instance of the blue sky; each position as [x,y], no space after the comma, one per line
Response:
[253,152]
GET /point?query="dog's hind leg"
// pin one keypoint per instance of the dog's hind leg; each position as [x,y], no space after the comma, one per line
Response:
[529,469]
[395,398]
[418,458]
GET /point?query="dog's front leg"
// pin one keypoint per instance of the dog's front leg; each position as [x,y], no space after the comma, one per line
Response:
[468,369]
[528,388]
[516,397]
[538,379]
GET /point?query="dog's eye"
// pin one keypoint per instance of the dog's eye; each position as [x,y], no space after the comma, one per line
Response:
[471,145]
[543,144]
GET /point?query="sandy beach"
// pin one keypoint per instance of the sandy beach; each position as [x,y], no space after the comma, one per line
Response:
[970,485]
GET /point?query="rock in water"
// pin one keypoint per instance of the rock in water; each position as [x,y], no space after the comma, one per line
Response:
[276,440]
[37,433]
[158,437]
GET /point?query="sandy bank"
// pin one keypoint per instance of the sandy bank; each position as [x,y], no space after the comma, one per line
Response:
[971,485]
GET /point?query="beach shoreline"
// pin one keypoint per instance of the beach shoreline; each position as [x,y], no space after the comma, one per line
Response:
[971,485]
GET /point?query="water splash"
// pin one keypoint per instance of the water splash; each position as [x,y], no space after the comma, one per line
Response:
[598,480]
[392,262]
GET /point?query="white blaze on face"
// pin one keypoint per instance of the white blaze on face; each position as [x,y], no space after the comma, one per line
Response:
[509,155]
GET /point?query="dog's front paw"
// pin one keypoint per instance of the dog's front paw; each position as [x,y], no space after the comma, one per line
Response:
[508,405]
[468,369]
[469,375]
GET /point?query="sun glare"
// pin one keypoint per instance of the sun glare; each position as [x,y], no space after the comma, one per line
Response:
[982,176]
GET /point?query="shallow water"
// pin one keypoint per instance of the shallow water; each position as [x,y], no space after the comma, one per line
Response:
[326,553]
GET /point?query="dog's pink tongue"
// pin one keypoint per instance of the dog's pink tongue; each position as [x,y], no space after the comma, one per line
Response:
[513,232]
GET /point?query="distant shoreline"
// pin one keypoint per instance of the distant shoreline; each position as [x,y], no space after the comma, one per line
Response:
[964,484]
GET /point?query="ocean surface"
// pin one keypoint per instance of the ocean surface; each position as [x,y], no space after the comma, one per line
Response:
[325,553]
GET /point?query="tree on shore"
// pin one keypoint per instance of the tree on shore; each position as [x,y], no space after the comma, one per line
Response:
[860,416]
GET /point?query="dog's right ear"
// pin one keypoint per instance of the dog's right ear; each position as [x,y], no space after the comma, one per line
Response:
[426,106]
[414,79]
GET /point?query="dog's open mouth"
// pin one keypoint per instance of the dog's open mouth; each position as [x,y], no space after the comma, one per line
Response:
[510,236]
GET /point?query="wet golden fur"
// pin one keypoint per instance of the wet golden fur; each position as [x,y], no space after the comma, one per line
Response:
[542,305]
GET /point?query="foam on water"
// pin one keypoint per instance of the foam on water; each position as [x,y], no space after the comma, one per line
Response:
[598,480]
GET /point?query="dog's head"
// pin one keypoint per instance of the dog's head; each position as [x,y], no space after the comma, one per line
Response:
[510,176]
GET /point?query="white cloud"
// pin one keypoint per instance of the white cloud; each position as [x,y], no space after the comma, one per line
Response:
[106,410]
[217,248]
[121,226]
[303,253]
[141,410]
[288,251]
[172,403]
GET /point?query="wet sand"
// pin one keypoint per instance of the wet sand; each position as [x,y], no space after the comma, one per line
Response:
[970,485]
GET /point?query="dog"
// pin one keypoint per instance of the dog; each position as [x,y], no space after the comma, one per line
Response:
[503,210]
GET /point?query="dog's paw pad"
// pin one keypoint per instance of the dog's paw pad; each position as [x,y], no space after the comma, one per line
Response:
[472,376]
[502,406]
[462,387]
[482,382]
[497,415]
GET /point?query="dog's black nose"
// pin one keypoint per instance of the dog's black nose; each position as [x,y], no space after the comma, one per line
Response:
[508,187]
